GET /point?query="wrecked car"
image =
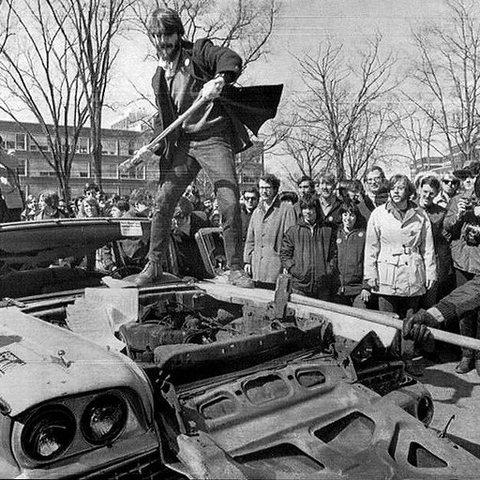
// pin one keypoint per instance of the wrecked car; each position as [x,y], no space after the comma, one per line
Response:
[68,407]
[246,384]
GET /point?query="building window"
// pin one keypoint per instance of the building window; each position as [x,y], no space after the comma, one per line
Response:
[124,148]
[15,141]
[110,170]
[22,167]
[137,174]
[82,145]
[109,147]
[135,145]
[80,169]
[46,173]
[249,178]
[40,144]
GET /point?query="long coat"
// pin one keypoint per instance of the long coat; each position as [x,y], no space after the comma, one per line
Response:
[399,253]
[351,251]
[264,239]
[309,255]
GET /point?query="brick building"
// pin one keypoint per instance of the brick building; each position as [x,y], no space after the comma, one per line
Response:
[36,174]
[118,144]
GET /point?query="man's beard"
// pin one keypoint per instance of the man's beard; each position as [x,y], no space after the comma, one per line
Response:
[168,51]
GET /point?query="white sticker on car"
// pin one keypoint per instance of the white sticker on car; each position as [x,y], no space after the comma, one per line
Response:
[9,360]
[131,229]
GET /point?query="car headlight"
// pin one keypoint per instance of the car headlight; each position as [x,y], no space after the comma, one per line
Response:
[104,418]
[48,433]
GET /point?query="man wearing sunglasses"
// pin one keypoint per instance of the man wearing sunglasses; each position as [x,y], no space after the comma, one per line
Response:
[250,202]
[450,184]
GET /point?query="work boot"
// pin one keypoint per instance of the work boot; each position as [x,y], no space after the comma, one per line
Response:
[465,365]
[151,273]
[239,278]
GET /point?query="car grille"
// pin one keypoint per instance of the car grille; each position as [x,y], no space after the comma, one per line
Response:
[145,467]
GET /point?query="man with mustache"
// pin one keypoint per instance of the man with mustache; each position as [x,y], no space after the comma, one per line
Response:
[208,139]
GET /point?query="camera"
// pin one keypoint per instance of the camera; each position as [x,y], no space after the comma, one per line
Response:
[472,234]
[471,204]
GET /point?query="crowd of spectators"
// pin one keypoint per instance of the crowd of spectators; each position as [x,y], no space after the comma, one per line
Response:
[393,245]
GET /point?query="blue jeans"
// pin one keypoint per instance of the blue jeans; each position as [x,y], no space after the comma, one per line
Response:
[215,155]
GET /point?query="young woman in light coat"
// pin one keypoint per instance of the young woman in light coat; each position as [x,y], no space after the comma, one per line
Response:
[399,254]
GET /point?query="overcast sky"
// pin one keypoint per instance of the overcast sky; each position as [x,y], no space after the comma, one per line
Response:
[302,26]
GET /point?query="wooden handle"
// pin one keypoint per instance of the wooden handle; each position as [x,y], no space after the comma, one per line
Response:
[384,319]
[153,145]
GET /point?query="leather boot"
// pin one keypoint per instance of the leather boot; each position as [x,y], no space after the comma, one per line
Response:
[151,273]
[465,365]
[239,278]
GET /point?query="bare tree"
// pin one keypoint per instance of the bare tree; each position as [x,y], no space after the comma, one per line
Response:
[89,28]
[343,110]
[448,72]
[418,133]
[244,25]
[5,26]
[304,155]
[37,71]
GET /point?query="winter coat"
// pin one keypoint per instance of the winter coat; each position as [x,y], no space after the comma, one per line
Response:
[245,221]
[334,216]
[351,251]
[399,253]
[42,216]
[264,239]
[436,213]
[381,198]
[465,257]
[309,255]
[204,60]
[464,299]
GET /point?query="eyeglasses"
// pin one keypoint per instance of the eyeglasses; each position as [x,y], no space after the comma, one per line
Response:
[449,182]
[269,187]
[250,199]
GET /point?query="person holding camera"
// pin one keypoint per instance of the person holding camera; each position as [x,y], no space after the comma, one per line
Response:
[462,223]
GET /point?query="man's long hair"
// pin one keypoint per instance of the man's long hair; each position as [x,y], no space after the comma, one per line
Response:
[165,21]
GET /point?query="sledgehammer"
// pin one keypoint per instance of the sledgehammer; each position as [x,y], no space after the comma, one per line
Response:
[138,159]
[384,319]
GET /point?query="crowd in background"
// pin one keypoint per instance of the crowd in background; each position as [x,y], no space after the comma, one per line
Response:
[394,245]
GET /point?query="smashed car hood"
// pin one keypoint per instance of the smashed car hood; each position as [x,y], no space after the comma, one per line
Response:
[34,243]
[40,361]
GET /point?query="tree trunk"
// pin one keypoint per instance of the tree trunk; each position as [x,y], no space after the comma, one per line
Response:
[65,191]
[96,140]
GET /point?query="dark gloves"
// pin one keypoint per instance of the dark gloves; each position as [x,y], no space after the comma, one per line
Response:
[416,327]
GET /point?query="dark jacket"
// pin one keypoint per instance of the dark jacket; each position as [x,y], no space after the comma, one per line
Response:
[351,250]
[462,300]
[310,256]
[380,199]
[465,255]
[334,216]
[206,61]
[245,221]
[436,213]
